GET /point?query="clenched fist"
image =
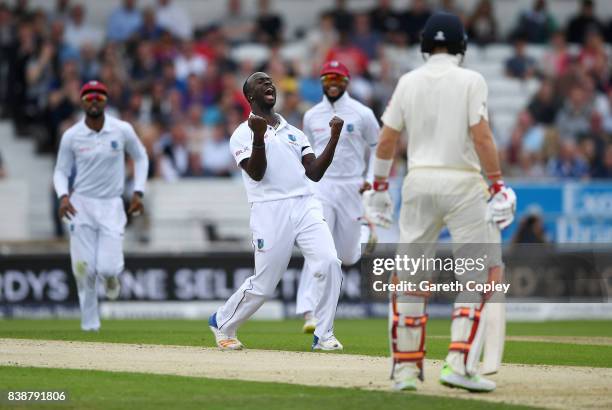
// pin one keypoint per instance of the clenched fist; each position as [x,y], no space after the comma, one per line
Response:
[336,125]
[258,124]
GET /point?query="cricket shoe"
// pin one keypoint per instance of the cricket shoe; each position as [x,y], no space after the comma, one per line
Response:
[224,342]
[404,379]
[113,287]
[471,383]
[331,343]
[310,324]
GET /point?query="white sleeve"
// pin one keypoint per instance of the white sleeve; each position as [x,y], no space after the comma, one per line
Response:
[477,104]
[63,166]
[240,144]
[371,128]
[138,153]
[393,116]
[306,126]
[306,148]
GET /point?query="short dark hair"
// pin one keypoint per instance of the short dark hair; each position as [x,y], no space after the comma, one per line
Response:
[245,87]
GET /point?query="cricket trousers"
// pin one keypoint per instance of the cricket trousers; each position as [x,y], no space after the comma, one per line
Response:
[96,249]
[342,209]
[276,227]
[431,199]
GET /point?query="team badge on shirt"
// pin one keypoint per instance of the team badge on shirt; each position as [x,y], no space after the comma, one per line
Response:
[350,128]
[292,137]
[260,244]
[114,145]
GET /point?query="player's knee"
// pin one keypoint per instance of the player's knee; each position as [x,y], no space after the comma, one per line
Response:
[349,258]
[107,269]
[328,264]
[82,269]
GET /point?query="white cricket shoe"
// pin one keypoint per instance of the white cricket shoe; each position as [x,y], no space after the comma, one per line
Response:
[471,383]
[113,287]
[331,343]
[404,378]
[224,342]
[310,323]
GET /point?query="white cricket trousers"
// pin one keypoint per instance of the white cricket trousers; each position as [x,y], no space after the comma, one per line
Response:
[277,226]
[342,208]
[96,249]
[431,199]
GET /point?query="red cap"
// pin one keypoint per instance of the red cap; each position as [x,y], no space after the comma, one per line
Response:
[93,86]
[335,67]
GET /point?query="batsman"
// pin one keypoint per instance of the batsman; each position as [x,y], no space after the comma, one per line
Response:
[442,107]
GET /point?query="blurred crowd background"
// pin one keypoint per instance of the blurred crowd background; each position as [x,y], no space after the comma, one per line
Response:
[179,81]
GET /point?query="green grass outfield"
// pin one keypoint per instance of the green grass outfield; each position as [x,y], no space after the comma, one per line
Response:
[368,337]
[106,391]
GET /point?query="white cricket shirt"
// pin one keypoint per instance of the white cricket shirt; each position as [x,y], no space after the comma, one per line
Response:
[359,135]
[437,104]
[99,158]
[285,175]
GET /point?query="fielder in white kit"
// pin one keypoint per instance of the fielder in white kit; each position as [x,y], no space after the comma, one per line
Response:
[443,108]
[277,161]
[95,148]
[340,189]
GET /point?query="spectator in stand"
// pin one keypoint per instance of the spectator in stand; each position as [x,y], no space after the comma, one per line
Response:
[384,19]
[174,154]
[364,38]
[61,11]
[351,56]
[557,58]
[216,156]
[145,69]
[414,20]
[536,25]
[593,56]
[604,170]
[237,26]
[343,19]
[123,22]
[2,170]
[481,25]
[8,57]
[194,126]
[544,105]
[187,62]
[520,65]
[78,32]
[568,163]
[574,118]
[268,25]
[149,29]
[530,230]
[89,66]
[583,22]
[174,19]
[322,39]
[291,111]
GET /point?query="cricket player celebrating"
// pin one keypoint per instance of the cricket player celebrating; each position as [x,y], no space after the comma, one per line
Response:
[95,147]
[339,190]
[276,160]
[443,108]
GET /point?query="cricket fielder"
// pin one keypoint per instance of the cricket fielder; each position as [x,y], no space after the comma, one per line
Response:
[339,191]
[277,161]
[95,148]
[443,109]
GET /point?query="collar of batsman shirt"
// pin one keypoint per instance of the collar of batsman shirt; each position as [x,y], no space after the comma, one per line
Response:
[285,175]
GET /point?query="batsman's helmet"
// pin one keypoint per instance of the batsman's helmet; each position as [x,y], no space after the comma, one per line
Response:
[444,30]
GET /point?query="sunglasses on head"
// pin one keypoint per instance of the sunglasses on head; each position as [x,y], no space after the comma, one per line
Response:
[333,77]
[94,97]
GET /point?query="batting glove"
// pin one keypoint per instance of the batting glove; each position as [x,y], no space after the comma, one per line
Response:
[502,205]
[378,205]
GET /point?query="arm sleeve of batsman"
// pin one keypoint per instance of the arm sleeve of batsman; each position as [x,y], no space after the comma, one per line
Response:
[63,167]
[141,161]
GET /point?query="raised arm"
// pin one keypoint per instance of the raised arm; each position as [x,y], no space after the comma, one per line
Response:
[316,166]
[256,164]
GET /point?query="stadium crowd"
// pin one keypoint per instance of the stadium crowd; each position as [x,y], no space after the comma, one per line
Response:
[177,82]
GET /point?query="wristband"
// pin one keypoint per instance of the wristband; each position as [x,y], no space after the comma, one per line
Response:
[496,174]
[496,187]
[380,186]
[382,167]
[258,146]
